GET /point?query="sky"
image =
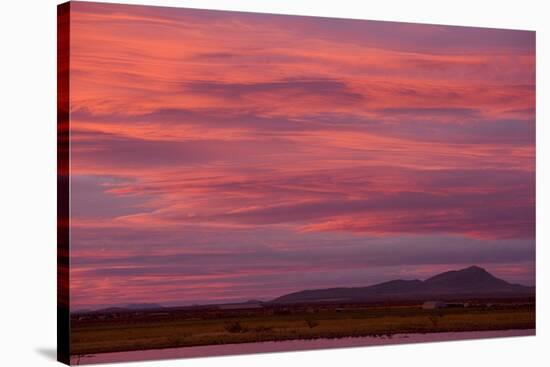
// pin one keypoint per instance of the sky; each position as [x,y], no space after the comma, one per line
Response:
[224,156]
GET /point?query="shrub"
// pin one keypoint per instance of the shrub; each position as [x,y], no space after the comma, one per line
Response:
[234,327]
[435,317]
[312,323]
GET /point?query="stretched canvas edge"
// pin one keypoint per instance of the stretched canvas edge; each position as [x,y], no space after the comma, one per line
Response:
[63,183]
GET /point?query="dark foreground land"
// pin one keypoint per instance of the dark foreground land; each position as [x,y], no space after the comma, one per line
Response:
[127,330]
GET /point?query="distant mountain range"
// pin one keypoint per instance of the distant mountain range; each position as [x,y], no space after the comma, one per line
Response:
[469,282]
[129,307]
[472,282]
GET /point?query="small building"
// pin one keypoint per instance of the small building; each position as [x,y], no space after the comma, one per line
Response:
[433,305]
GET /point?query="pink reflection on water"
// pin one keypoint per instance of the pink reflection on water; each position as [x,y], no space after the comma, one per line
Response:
[291,345]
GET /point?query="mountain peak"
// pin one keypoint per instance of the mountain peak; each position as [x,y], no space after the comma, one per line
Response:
[474,268]
[471,277]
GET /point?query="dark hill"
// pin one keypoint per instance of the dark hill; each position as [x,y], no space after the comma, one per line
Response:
[469,282]
[129,307]
[470,279]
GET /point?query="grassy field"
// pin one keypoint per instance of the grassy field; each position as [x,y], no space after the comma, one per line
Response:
[179,330]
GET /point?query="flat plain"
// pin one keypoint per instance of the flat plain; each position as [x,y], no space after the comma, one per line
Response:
[117,331]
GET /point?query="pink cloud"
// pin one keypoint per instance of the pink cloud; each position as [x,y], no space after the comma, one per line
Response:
[199,134]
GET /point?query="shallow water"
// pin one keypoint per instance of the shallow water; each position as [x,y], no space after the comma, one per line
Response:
[291,345]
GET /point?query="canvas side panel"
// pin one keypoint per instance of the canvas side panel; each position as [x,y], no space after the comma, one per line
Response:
[63,311]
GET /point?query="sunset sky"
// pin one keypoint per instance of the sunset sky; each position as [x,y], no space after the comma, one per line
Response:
[225,156]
